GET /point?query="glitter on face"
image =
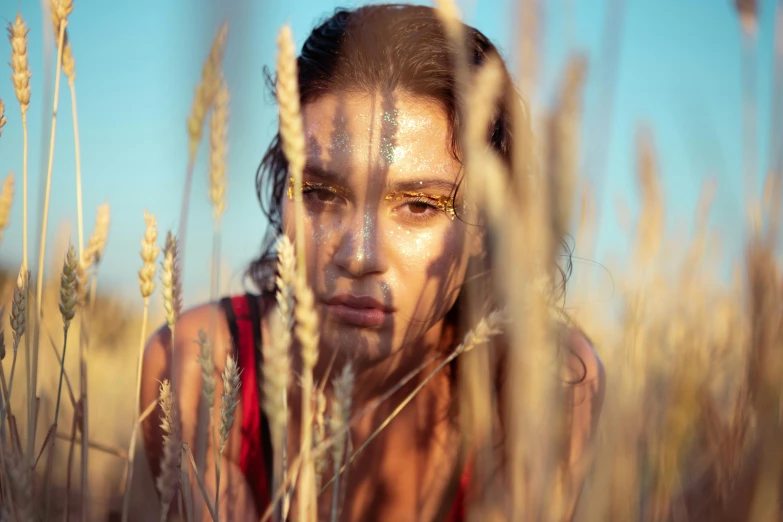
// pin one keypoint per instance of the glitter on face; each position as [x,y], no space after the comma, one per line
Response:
[368,240]
[389,144]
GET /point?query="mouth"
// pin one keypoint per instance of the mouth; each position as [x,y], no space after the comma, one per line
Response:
[355,310]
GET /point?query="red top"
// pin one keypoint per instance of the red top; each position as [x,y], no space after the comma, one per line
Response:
[244,322]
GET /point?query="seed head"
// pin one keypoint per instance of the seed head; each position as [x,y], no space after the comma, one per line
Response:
[68,287]
[231,385]
[169,478]
[207,368]
[19,305]
[149,253]
[17,34]
[218,146]
[172,284]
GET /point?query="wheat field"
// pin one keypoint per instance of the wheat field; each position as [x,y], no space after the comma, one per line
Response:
[693,412]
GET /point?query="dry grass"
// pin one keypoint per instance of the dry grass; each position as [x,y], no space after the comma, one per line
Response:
[691,420]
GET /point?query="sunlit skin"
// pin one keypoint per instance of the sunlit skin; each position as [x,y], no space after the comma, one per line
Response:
[379,222]
[382,230]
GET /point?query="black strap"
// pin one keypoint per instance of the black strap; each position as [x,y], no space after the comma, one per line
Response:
[266,435]
[231,319]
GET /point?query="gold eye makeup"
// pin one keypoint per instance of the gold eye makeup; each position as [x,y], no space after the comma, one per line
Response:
[310,186]
[442,203]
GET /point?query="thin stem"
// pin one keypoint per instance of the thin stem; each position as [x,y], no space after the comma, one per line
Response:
[132,445]
[183,216]
[82,340]
[77,154]
[218,466]
[60,359]
[11,378]
[85,420]
[186,492]
[62,372]
[69,468]
[7,496]
[42,252]
[391,417]
[215,269]
[7,404]
[24,190]
[115,452]
[200,482]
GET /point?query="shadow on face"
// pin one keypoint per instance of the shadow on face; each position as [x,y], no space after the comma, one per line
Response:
[385,255]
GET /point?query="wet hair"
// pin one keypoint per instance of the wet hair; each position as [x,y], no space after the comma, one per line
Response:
[401,49]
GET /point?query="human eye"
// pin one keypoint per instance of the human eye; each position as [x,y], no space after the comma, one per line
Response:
[420,207]
[321,195]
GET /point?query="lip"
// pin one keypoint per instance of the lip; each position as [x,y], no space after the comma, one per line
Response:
[356,310]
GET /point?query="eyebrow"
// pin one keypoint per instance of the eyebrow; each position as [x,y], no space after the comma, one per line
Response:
[412,185]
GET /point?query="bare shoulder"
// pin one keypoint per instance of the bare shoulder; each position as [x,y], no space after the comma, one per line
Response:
[160,350]
[165,358]
[583,365]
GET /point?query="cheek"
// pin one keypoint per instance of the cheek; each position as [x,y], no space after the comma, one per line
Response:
[426,257]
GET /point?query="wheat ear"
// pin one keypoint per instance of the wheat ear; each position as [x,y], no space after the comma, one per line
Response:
[18,318]
[202,102]
[208,385]
[218,148]
[277,361]
[169,478]
[67,307]
[228,405]
[17,34]
[149,255]
[293,142]
[2,116]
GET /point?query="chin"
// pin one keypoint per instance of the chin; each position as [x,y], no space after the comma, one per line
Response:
[361,345]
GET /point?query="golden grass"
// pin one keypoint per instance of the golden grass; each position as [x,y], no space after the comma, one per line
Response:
[690,426]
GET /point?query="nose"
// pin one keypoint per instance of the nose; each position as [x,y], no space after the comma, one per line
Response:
[360,251]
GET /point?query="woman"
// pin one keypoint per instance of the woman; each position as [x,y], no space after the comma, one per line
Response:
[391,243]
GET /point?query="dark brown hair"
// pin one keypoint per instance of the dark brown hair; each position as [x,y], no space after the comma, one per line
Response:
[389,48]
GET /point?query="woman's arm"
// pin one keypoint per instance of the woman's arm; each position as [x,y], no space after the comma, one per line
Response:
[236,501]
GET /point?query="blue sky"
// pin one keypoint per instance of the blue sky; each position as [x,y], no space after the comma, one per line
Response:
[138,62]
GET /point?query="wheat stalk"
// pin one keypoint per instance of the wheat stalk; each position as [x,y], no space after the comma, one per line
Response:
[17,34]
[228,405]
[172,284]
[169,478]
[88,260]
[218,147]
[67,308]
[277,361]
[149,255]
[18,318]
[293,143]
[208,386]
[205,94]
[60,9]
[291,130]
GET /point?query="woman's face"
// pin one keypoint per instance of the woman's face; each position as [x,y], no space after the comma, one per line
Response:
[385,255]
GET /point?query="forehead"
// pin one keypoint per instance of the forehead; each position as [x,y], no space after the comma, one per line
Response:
[402,136]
